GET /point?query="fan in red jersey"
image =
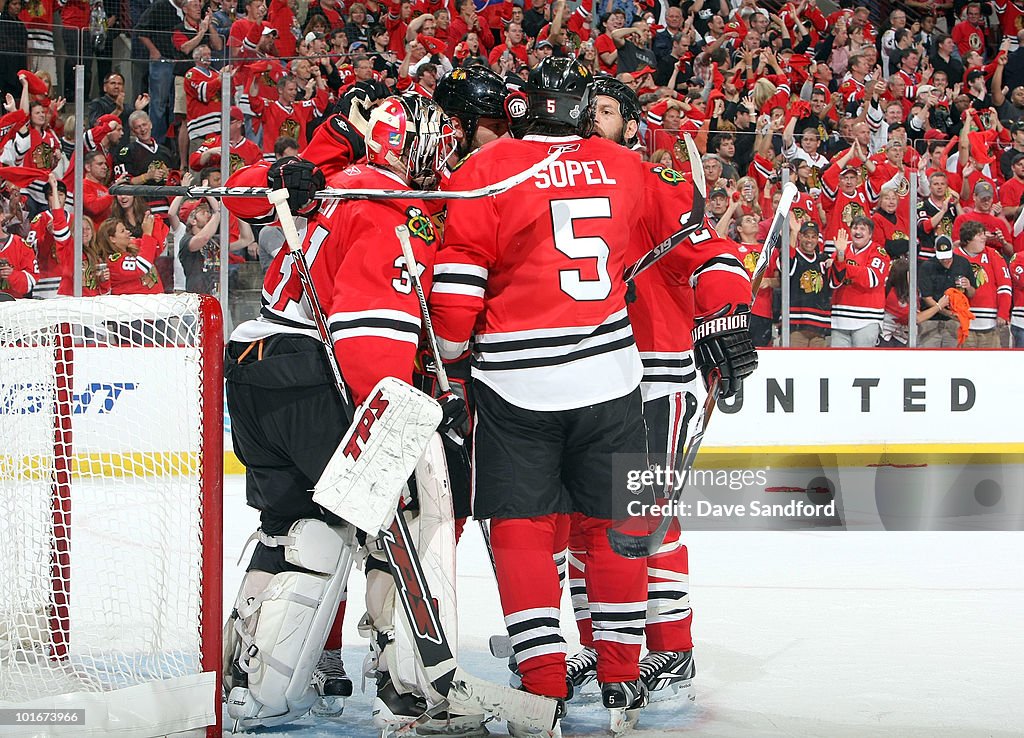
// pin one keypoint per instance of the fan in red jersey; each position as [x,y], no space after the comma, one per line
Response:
[356,264]
[288,116]
[18,269]
[132,261]
[533,278]
[857,275]
[242,151]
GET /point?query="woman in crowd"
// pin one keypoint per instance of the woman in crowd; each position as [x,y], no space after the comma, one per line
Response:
[895,333]
[131,211]
[131,261]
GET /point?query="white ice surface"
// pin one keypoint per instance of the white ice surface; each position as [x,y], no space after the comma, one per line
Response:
[797,634]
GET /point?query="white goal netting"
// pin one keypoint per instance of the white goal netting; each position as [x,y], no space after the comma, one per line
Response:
[110,465]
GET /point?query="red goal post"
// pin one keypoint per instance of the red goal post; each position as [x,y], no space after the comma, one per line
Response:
[111,482]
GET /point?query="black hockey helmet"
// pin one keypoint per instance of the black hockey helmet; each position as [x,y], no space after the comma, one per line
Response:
[629,104]
[558,92]
[469,94]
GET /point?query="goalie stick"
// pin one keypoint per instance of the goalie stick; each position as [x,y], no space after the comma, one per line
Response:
[642,546]
[454,685]
[333,193]
[442,376]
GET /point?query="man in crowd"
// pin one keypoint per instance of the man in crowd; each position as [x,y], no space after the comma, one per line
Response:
[857,275]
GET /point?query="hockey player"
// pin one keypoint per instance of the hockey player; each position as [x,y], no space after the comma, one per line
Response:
[278,378]
[557,368]
[662,318]
[474,101]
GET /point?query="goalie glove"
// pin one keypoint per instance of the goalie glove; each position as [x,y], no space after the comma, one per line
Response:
[721,342]
[301,178]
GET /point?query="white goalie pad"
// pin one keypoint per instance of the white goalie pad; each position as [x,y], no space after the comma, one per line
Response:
[364,479]
[280,623]
[432,528]
[433,533]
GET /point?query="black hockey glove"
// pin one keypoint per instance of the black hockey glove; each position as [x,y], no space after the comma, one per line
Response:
[722,342]
[301,178]
[454,412]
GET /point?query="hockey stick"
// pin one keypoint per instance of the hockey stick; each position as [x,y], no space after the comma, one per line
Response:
[333,193]
[446,677]
[692,224]
[638,547]
[442,376]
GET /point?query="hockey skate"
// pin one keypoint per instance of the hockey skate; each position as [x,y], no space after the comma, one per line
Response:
[624,701]
[668,673]
[409,715]
[581,670]
[521,731]
[331,683]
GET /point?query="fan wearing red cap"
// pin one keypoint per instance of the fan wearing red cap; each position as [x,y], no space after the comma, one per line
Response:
[243,152]
[844,197]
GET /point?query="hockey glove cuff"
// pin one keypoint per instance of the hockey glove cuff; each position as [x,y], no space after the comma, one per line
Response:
[301,178]
[722,341]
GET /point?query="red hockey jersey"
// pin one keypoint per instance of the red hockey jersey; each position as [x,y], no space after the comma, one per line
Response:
[1017,283]
[91,285]
[993,292]
[287,120]
[41,239]
[243,153]
[135,274]
[840,208]
[859,288]
[360,276]
[202,101]
[535,273]
[15,255]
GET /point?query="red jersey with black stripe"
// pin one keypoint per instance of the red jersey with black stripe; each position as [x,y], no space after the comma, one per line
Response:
[858,282]
[993,292]
[361,279]
[534,275]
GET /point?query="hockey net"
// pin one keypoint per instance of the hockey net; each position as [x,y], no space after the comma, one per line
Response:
[111,417]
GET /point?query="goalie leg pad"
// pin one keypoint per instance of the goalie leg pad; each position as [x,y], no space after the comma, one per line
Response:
[280,622]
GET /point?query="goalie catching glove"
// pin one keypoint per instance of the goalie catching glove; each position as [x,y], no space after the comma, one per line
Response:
[721,342]
[303,179]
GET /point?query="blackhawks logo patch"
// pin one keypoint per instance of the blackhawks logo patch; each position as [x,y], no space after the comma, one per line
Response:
[289,128]
[980,275]
[669,176]
[811,282]
[750,261]
[420,225]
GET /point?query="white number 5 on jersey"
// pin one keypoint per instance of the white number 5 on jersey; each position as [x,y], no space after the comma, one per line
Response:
[571,281]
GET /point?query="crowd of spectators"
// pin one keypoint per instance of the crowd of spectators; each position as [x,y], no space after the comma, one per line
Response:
[855,103]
